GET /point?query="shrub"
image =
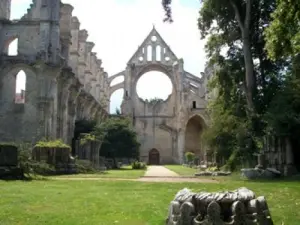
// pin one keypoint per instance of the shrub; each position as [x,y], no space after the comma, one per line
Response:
[84,166]
[29,166]
[52,144]
[86,138]
[190,157]
[138,165]
[212,169]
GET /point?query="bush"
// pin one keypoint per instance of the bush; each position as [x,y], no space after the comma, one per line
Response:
[52,144]
[84,166]
[190,157]
[138,165]
[212,169]
[29,166]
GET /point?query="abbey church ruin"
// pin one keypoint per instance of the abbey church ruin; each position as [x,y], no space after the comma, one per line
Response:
[64,78]
[167,128]
[65,82]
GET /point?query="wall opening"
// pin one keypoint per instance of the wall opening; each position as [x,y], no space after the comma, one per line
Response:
[153,157]
[158,53]
[12,49]
[149,53]
[194,105]
[117,80]
[194,130]
[20,88]
[115,101]
[154,85]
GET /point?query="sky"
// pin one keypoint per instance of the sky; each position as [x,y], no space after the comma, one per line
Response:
[118,27]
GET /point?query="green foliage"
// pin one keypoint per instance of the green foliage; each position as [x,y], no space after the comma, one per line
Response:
[88,137]
[84,126]
[52,144]
[11,144]
[283,115]
[138,165]
[190,157]
[84,166]
[212,169]
[283,34]
[29,166]
[118,111]
[234,134]
[118,138]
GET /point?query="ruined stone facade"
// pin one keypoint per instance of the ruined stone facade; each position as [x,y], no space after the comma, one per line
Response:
[64,78]
[166,129]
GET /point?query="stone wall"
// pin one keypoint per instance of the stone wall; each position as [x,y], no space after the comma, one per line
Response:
[278,154]
[64,78]
[163,125]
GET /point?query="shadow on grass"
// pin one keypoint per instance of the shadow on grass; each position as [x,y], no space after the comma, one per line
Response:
[25,178]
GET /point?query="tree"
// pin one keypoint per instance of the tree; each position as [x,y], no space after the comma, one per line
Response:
[234,19]
[283,35]
[283,42]
[119,138]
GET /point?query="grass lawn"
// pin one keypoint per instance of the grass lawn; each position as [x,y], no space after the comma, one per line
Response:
[182,170]
[122,202]
[124,172]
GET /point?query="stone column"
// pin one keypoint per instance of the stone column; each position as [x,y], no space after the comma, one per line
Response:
[289,167]
[181,143]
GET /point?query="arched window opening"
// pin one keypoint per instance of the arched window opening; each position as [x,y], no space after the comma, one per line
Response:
[116,101]
[117,80]
[151,81]
[158,53]
[20,87]
[12,49]
[149,53]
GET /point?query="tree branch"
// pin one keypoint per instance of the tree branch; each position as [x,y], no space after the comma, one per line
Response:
[237,15]
[248,14]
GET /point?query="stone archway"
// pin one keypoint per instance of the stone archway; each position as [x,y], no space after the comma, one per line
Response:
[193,132]
[154,157]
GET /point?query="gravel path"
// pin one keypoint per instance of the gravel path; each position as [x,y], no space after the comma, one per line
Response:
[159,171]
[153,174]
[143,179]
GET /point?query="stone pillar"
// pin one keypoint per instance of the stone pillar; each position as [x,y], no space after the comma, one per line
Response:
[83,35]
[181,143]
[74,54]
[289,167]
[5,6]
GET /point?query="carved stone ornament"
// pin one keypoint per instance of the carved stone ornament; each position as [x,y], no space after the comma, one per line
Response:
[239,207]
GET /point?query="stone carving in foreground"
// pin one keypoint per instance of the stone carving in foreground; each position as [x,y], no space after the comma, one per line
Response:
[239,207]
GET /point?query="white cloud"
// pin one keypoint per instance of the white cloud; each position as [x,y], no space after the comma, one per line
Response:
[118,27]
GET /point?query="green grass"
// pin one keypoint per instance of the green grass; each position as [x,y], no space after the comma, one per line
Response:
[182,170]
[122,202]
[124,172]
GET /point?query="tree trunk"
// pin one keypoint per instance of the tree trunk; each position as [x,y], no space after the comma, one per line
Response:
[249,67]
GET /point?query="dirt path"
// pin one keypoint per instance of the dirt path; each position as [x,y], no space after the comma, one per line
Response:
[153,174]
[142,179]
[159,171]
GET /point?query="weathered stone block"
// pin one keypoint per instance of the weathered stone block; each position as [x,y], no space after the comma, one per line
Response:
[223,208]
[8,155]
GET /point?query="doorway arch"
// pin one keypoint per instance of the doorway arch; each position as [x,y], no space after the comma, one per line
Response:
[154,157]
[193,132]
